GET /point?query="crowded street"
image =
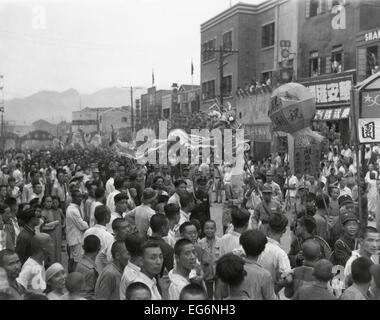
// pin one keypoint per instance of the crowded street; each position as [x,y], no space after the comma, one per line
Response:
[260,180]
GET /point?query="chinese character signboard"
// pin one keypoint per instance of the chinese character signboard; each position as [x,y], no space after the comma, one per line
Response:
[331,91]
[371,104]
[332,114]
[369,130]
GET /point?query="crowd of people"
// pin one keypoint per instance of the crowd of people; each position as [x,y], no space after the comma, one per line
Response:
[91,225]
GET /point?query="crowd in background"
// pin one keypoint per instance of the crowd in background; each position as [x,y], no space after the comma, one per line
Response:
[89,224]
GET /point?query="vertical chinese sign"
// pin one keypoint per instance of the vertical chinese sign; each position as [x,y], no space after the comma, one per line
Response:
[307,156]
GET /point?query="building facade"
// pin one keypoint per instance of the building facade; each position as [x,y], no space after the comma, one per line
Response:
[119,120]
[258,32]
[338,47]
[88,120]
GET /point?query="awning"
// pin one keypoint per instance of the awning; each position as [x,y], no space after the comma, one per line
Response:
[332,114]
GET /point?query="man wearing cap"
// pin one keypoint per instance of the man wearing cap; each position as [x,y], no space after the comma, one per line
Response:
[96,177]
[186,178]
[168,181]
[152,175]
[276,190]
[347,243]
[143,213]
[266,208]
[4,175]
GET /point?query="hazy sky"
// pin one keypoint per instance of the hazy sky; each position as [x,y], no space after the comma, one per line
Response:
[90,45]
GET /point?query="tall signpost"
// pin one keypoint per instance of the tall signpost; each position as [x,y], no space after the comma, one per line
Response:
[366,118]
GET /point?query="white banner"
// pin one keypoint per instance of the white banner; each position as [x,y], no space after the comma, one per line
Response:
[369,130]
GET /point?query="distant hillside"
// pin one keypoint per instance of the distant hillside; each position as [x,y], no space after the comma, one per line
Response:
[57,106]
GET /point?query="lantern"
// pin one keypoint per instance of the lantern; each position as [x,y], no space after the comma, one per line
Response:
[292,108]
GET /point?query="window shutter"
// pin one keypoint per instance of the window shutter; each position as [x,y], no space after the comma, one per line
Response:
[320,9]
[322,67]
[307,8]
[347,61]
[362,64]
[328,65]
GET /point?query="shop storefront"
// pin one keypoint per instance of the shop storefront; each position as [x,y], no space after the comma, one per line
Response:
[333,101]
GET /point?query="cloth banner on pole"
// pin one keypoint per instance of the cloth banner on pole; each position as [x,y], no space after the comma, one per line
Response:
[307,156]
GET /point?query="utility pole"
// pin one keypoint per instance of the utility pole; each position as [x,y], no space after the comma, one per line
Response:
[2,111]
[222,64]
[132,116]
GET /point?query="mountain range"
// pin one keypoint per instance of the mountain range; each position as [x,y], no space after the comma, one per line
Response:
[56,106]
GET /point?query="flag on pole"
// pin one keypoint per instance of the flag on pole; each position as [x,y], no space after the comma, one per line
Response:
[152,77]
[192,67]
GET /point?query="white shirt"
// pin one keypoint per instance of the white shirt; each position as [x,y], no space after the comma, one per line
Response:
[106,240]
[129,276]
[75,225]
[109,186]
[175,199]
[114,215]
[151,284]
[293,181]
[92,212]
[345,191]
[111,200]
[32,276]
[274,259]
[354,256]
[229,242]
[178,282]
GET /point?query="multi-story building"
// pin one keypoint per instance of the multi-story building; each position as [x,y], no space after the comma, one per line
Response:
[151,103]
[338,46]
[88,120]
[257,32]
[184,100]
[119,120]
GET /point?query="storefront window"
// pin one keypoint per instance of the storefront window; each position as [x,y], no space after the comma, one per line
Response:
[337,59]
[372,60]
[314,64]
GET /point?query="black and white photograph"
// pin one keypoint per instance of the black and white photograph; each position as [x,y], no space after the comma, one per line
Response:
[205,151]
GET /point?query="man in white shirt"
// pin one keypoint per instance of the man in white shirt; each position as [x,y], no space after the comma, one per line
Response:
[75,227]
[99,200]
[102,217]
[180,189]
[152,261]
[186,260]
[369,245]
[110,183]
[118,183]
[17,174]
[142,214]
[370,170]
[292,188]
[172,212]
[133,268]
[230,241]
[32,275]
[120,208]
[274,258]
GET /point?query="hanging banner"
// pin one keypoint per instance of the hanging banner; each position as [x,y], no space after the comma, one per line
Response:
[307,156]
[369,130]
